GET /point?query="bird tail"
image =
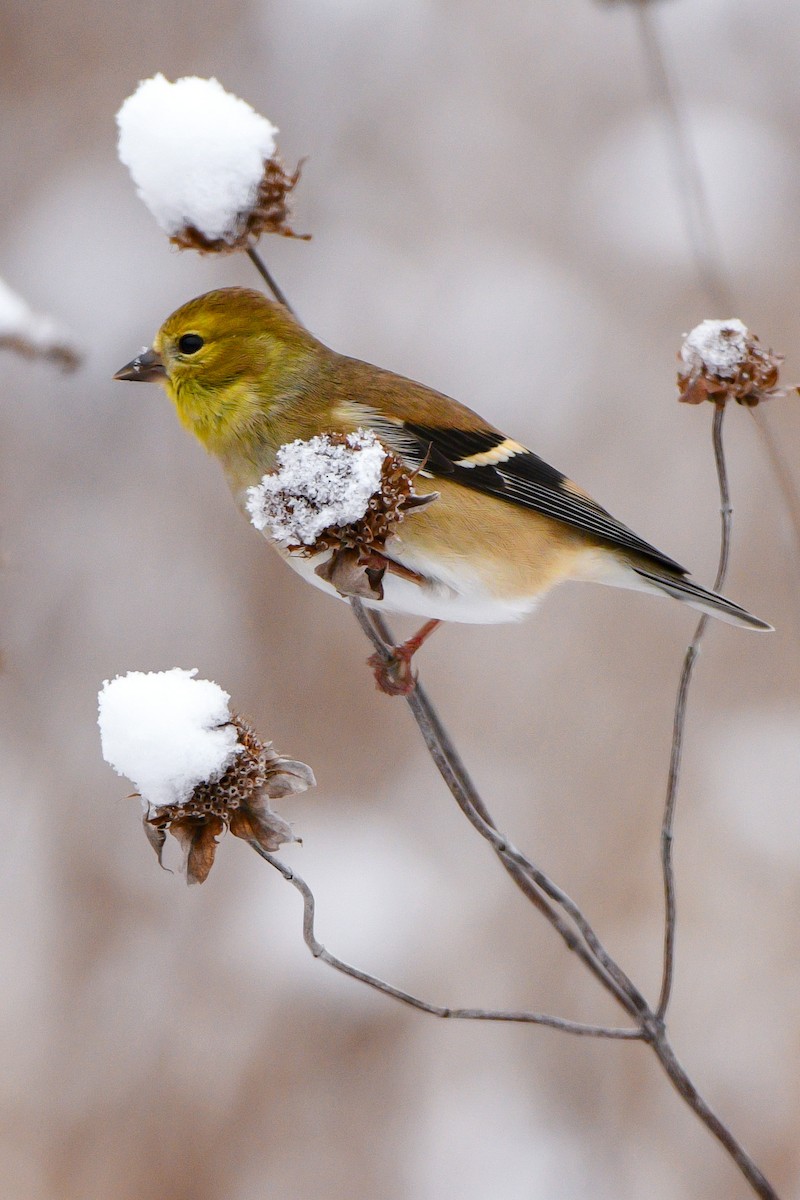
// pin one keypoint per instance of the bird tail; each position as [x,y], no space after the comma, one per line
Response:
[698,597]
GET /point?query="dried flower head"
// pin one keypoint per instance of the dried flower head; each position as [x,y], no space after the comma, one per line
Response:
[205,164]
[344,493]
[198,769]
[722,360]
[238,801]
[268,213]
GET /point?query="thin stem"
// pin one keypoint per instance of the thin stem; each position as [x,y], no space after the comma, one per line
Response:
[578,1028]
[689,1093]
[268,278]
[686,168]
[786,485]
[679,723]
[528,877]
[651,1025]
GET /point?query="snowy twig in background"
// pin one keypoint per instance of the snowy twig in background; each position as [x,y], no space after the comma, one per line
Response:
[33,334]
[690,191]
[198,768]
[205,164]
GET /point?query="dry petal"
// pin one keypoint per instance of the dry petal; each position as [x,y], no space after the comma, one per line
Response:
[156,836]
[287,777]
[262,825]
[351,576]
[198,840]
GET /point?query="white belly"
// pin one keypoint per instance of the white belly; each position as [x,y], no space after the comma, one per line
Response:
[459,597]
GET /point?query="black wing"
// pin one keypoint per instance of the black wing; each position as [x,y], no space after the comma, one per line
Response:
[486,460]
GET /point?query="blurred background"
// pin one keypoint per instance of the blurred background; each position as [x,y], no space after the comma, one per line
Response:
[495,212]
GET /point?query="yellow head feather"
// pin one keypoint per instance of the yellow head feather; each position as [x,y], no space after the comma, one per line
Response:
[232,357]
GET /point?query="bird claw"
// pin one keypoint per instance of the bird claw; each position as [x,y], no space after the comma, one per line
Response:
[393,675]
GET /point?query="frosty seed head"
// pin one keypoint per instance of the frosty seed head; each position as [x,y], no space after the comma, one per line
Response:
[722,360]
[238,801]
[204,163]
[198,768]
[344,493]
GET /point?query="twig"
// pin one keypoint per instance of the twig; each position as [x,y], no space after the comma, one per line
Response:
[679,720]
[651,1025]
[687,1090]
[578,1028]
[686,169]
[266,275]
[528,878]
[786,485]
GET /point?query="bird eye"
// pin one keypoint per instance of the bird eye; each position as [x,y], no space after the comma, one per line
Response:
[190,343]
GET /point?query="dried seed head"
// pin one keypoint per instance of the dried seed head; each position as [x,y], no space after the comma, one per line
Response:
[338,493]
[238,800]
[722,361]
[205,163]
[269,213]
[334,491]
[386,508]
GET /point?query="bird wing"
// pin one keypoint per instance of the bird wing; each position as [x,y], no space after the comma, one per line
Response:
[486,460]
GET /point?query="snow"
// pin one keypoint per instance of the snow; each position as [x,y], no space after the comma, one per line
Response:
[716,347]
[196,153]
[166,731]
[318,483]
[19,322]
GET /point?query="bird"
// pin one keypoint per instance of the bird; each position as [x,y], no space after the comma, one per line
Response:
[502,528]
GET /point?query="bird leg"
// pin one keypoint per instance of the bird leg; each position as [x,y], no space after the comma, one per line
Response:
[393,675]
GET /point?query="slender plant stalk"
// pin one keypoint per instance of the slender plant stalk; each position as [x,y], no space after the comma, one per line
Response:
[686,168]
[578,1028]
[679,720]
[786,485]
[269,279]
[452,769]
[547,897]
[651,1025]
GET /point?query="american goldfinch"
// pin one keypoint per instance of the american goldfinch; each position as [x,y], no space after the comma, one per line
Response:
[247,379]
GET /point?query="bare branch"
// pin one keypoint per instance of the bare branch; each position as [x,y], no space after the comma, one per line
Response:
[679,721]
[528,878]
[686,168]
[267,276]
[578,1028]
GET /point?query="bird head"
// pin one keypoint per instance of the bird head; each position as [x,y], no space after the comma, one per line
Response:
[226,358]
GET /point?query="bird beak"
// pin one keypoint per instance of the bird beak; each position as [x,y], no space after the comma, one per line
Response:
[147,367]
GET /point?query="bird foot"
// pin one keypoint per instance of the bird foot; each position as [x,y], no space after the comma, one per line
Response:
[393,675]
